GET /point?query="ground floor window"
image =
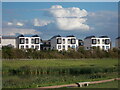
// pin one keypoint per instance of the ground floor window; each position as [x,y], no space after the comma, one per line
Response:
[59,46]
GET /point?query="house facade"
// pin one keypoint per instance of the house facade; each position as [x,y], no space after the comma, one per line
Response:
[45,45]
[102,42]
[117,43]
[8,41]
[32,42]
[64,43]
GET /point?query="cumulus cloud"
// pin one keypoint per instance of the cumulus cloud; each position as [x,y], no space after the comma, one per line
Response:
[69,18]
[38,22]
[14,31]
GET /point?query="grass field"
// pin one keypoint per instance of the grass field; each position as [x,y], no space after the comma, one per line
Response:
[113,84]
[61,63]
[38,73]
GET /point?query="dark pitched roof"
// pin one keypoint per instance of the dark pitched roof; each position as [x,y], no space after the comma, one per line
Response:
[8,37]
[35,36]
[20,35]
[55,36]
[70,36]
[80,40]
[89,37]
[103,37]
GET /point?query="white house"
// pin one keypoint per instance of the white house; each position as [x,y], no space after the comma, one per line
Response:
[117,43]
[103,42]
[24,42]
[8,41]
[63,43]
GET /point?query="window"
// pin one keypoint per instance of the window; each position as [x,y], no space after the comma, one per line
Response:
[73,41]
[107,47]
[26,46]
[68,46]
[37,41]
[59,41]
[36,47]
[63,46]
[32,41]
[69,41]
[107,41]
[93,41]
[63,41]
[98,41]
[59,46]
[103,41]
[32,47]
[22,41]
[73,46]
[22,47]
[26,41]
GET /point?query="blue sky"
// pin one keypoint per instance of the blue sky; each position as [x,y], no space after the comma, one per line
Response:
[65,18]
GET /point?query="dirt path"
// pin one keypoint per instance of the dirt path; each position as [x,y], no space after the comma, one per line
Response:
[73,85]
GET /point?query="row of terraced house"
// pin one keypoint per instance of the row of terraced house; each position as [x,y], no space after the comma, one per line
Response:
[58,42]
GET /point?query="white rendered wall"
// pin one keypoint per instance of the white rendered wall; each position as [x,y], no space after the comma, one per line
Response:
[6,42]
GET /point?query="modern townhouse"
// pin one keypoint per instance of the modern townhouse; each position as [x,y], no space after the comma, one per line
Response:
[64,43]
[102,42]
[117,42]
[24,42]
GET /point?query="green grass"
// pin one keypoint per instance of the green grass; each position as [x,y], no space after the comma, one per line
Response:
[55,72]
[112,84]
[60,63]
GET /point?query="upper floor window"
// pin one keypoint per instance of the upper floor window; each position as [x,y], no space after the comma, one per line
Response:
[63,41]
[69,41]
[73,41]
[32,41]
[26,41]
[107,41]
[103,41]
[22,40]
[93,41]
[59,41]
[98,41]
[37,41]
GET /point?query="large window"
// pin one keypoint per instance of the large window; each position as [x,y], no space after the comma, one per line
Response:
[103,41]
[32,41]
[107,41]
[63,41]
[22,40]
[37,41]
[98,41]
[93,41]
[26,41]
[59,41]
[73,41]
[69,41]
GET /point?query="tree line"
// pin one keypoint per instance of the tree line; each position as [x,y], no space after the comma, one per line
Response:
[14,53]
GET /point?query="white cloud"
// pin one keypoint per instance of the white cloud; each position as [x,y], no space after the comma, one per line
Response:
[14,31]
[69,18]
[19,24]
[38,22]
[9,23]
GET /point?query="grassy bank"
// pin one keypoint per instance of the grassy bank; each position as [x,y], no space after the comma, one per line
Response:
[37,73]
